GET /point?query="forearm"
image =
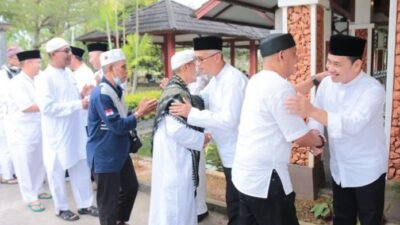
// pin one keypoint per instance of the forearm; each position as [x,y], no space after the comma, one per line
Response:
[319,115]
[304,87]
[33,108]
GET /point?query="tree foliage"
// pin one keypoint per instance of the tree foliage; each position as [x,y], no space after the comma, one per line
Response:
[40,20]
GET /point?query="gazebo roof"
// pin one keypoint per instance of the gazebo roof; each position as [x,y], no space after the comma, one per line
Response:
[168,16]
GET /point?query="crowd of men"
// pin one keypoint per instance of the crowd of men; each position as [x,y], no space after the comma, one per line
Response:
[67,118]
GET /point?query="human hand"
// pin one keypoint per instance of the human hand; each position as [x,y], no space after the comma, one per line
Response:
[85,103]
[164,82]
[86,90]
[180,108]
[145,107]
[316,151]
[299,105]
[207,139]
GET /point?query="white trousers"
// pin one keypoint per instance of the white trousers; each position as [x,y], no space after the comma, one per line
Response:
[201,189]
[81,185]
[29,168]
[6,164]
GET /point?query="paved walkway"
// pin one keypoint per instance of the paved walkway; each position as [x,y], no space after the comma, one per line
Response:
[13,211]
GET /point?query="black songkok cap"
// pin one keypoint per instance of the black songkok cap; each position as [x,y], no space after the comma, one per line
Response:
[77,51]
[344,45]
[97,47]
[275,43]
[33,54]
[207,43]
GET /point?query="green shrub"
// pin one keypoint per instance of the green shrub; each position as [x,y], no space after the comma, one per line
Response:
[133,100]
[213,162]
[323,210]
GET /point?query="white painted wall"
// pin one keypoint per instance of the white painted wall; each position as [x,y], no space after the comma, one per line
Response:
[390,69]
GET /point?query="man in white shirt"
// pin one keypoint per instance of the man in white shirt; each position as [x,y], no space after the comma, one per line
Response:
[25,133]
[64,137]
[94,51]
[350,103]
[223,99]
[7,72]
[176,151]
[81,72]
[266,132]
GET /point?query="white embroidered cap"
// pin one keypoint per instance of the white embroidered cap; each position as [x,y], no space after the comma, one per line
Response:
[181,58]
[111,56]
[55,43]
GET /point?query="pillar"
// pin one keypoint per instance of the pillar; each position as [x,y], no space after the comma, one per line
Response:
[392,111]
[232,52]
[253,58]
[169,51]
[304,19]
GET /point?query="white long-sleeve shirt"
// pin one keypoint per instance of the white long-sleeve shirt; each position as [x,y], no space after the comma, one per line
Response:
[24,127]
[358,153]
[172,190]
[266,131]
[223,98]
[61,107]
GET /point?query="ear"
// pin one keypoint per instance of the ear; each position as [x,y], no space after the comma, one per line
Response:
[358,64]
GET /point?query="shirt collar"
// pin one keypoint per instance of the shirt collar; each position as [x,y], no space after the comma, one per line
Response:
[118,89]
[222,72]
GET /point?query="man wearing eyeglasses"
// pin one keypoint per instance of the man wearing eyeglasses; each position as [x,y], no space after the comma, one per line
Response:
[62,106]
[223,98]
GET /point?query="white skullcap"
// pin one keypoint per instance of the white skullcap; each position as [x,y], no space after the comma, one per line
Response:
[55,44]
[181,58]
[111,56]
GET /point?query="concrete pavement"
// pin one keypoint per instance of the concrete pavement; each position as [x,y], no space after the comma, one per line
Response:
[13,211]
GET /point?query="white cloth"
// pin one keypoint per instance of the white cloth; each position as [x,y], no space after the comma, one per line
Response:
[172,200]
[195,88]
[223,97]
[64,137]
[358,153]
[84,75]
[26,137]
[6,165]
[29,168]
[266,131]
[24,128]
[59,101]
[81,185]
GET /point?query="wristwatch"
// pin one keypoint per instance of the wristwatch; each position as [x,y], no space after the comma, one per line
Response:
[314,80]
[322,140]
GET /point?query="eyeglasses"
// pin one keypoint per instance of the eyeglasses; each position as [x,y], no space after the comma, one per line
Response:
[65,50]
[200,59]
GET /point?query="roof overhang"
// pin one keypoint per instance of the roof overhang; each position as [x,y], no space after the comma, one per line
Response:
[256,13]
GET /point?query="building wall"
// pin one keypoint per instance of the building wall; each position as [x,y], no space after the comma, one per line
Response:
[299,25]
[394,162]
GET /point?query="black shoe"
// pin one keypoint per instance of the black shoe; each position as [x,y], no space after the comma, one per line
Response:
[202,216]
[93,211]
[67,215]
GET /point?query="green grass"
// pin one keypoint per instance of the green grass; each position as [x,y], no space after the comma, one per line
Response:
[145,150]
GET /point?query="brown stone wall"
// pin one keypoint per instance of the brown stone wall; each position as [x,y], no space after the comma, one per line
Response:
[299,25]
[363,33]
[394,158]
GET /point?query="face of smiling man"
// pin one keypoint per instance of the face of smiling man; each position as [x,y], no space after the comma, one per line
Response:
[342,69]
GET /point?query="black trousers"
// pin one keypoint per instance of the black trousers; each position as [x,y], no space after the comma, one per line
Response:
[116,194]
[232,198]
[277,209]
[367,202]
